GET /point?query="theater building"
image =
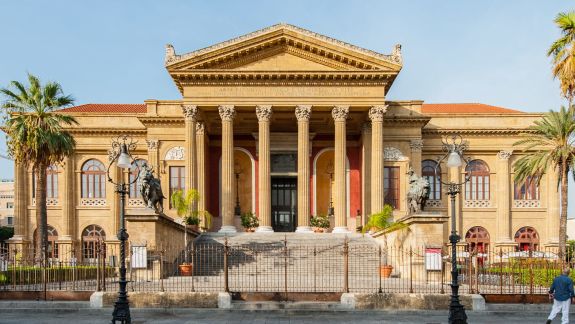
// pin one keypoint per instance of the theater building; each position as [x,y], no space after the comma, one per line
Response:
[286,123]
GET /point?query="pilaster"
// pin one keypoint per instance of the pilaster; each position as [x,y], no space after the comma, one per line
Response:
[416,146]
[227,114]
[153,160]
[264,114]
[339,114]
[303,113]
[503,199]
[190,114]
[69,201]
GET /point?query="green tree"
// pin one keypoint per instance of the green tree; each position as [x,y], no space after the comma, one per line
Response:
[185,205]
[36,137]
[382,224]
[563,53]
[551,149]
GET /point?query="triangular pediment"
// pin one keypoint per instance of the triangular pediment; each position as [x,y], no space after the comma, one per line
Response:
[283,47]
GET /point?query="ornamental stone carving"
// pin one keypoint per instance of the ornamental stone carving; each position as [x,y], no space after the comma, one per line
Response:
[416,145]
[190,111]
[152,144]
[303,113]
[200,128]
[227,113]
[396,54]
[393,154]
[170,53]
[264,113]
[340,113]
[504,155]
[377,113]
[176,153]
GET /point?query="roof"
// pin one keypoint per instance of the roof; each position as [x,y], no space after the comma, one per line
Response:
[107,108]
[466,108]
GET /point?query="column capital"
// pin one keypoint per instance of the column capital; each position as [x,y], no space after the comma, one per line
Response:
[227,112]
[152,144]
[264,113]
[504,155]
[377,113]
[190,111]
[200,128]
[416,145]
[340,113]
[302,113]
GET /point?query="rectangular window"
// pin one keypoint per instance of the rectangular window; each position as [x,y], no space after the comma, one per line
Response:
[9,205]
[391,186]
[177,180]
[528,190]
[10,220]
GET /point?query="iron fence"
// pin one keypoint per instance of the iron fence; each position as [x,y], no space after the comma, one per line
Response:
[283,268]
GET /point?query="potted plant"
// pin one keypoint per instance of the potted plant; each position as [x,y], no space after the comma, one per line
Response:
[185,206]
[382,224]
[249,221]
[319,223]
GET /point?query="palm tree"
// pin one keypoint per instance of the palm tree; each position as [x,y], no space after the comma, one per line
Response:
[553,140]
[382,223]
[563,53]
[36,138]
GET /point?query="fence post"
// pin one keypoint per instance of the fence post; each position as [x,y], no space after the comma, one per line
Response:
[74,267]
[500,271]
[256,254]
[314,269]
[193,264]
[14,270]
[379,271]
[442,272]
[285,268]
[345,265]
[162,270]
[98,288]
[410,270]
[470,272]
[226,251]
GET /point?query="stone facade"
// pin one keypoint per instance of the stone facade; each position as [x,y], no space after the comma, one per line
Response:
[288,108]
[7,202]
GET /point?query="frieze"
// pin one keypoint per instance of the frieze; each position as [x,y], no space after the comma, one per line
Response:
[175,154]
[264,113]
[340,113]
[227,113]
[303,113]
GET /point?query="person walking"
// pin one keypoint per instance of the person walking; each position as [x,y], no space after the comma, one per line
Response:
[561,292]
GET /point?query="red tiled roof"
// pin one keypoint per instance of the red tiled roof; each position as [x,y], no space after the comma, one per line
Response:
[107,108]
[466,108]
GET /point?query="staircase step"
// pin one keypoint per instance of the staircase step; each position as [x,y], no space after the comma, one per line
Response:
[300,305]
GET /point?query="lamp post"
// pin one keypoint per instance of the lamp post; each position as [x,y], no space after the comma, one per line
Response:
[237,170]
[329,170]
[454,146]
[122,158]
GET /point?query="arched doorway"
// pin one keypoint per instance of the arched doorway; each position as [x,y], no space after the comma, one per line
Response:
[477,239]
[527,239]
[324,180]
[52,239]
[92,235]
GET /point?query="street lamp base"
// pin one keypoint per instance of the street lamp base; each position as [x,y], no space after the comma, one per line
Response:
[457,313]
[121,312]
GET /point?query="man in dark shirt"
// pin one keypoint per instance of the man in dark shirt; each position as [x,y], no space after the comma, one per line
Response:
[561,292]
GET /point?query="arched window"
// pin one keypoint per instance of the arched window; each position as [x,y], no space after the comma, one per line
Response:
[428,172]
[527,190]
[477,239]
[51,182]
[135,188]
[92,236]
[477,188]
[52,239]
[93,179]
[527,239]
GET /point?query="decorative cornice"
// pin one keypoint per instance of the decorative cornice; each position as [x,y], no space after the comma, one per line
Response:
[340,113]
[200,128]
[172,58]
[264,113]
[152,144]
[147,121]
[302,113]
[227,112]
[504,154]
[106,131]
[190,112]
[477,132]
[416,145]
[377,113]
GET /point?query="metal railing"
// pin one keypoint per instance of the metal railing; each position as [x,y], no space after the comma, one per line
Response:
[280,267]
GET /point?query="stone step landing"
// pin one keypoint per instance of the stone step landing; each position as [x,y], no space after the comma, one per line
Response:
[293,239]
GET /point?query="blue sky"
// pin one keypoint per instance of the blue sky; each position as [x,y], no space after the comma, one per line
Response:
[487,51]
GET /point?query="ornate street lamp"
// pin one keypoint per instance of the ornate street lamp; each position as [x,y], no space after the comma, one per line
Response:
[122,158]
[237,171]
[454,146]
[329,170]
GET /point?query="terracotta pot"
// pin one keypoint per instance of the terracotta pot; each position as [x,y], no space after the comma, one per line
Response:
[385,271]
[185,269]
[250,230]
[318,230]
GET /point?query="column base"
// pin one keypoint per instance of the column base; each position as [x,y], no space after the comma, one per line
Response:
[228,229]
[264,229]
[304,229]
[340,229]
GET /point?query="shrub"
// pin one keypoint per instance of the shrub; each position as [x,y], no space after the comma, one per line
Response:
[320,221]
[249,220]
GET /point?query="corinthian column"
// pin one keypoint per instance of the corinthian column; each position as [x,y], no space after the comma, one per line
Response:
[264,114]
[503,199]
[190,114]
[339,114]
[302,114]
[201,163]
[376,114]
[227,114]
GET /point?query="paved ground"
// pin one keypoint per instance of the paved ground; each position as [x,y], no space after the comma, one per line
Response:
[16,316]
